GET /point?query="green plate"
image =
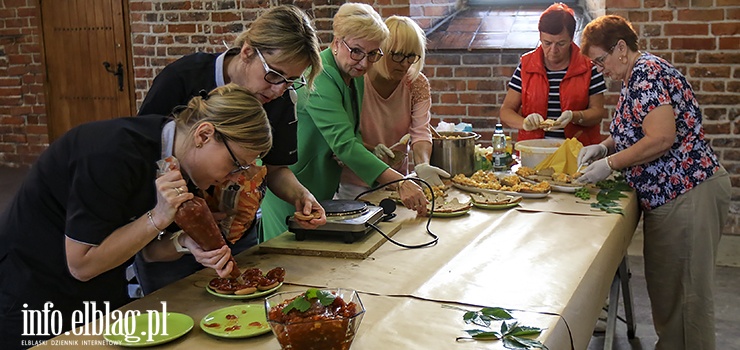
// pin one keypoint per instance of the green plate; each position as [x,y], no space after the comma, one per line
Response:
[238,321]
[177,326]
[256,294]
[450,215]
[494,206]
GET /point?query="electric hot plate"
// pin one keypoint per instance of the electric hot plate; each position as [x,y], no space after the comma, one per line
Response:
[345,219]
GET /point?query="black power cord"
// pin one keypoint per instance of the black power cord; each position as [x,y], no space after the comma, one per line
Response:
[435,238]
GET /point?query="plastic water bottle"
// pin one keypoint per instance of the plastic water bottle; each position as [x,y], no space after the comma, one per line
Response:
[499,149]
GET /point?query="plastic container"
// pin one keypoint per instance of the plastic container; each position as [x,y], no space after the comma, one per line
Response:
[533,152]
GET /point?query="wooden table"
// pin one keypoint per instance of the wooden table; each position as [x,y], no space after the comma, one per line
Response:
[552,258]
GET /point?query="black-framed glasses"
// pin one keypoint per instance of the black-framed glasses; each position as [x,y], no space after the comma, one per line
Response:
[358,55]
[599,61]
[275,78]
[239,166]
[399,57]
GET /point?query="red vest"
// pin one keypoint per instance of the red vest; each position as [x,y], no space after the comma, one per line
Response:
[575,84]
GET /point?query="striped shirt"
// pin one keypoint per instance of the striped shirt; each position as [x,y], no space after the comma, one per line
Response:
[553,104]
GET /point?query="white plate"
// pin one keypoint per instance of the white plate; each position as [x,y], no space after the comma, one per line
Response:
[521,194]
[557,188]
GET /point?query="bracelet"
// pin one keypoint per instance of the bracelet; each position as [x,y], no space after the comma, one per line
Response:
[151,219]
[609,162]
[580,120]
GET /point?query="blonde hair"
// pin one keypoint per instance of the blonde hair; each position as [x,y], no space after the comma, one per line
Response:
[405,37]
[359,21]
[286,29]
[234,112]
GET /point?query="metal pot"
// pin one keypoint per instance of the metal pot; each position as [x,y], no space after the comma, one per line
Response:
[456,155]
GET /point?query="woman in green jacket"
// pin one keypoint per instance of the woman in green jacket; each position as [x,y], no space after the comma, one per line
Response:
[328,120]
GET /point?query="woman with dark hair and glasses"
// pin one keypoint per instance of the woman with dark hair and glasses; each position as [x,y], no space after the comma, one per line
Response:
[657,141]
[93,199]
[329,119]
[269,60]
[396,102]
[558,83]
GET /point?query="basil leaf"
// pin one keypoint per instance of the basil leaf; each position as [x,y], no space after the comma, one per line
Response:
[483,335]
[512,342]
[520,331]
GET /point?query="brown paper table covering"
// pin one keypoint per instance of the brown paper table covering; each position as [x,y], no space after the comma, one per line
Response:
[534,261]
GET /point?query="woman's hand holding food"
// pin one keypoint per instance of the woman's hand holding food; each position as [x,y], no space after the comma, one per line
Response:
[412,197]
[597,171]
[591,153]
[309,213]
[532,122]
[563,120]
[383,152]
[172,191]
[217,259]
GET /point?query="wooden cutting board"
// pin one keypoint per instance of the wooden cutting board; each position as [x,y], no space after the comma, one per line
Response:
[332,246]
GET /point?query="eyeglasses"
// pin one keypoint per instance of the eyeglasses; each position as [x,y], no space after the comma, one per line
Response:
[398,57]
[599,61]
[358,55]
[275,78]
[239,166]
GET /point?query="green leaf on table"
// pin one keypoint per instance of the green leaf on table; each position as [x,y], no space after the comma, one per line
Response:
[477,318]
[497,313]
[483,335]
[512,342]
[523,331]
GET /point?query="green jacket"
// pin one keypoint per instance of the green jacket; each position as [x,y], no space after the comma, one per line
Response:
[328,125]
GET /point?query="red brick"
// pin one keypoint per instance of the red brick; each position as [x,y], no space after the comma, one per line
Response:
[661,15]
[658,44]
[477,98]
[671,29]
[693,43]
[702,3]
[710,72]
[729,43]
[472,72]
[678,3]
[638,16]
[725,28]
[181,28]
[448,98]
[733,13]
[703,15]
[616,4]
[448,110]
[713,86]
[684,57]
[722,57]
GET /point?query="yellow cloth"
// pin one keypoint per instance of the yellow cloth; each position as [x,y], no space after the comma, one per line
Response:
[564,159]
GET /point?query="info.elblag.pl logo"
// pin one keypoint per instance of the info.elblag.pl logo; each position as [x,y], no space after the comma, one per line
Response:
[48,322]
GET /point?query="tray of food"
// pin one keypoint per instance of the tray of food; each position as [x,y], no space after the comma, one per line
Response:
[560,182]
[488,182]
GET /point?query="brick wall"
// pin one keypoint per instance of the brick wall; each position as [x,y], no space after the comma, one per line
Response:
[701,37]
[23,133]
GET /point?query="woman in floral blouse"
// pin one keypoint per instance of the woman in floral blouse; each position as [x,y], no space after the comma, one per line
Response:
[657,142]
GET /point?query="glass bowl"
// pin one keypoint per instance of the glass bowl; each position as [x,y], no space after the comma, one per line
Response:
[313,329]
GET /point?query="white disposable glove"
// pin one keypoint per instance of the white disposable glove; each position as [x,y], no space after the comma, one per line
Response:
[430,174]
[563,120]
[589,154]
[597,171]
[532,122]
[382,151]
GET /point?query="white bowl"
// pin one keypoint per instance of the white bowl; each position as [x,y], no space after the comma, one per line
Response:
[533,152]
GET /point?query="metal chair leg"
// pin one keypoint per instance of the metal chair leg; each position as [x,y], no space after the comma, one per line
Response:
[611,318]
[625,275]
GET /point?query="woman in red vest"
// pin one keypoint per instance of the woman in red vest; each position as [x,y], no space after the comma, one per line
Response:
[556,66]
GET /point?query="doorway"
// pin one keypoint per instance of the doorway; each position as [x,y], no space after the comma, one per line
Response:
[87,54]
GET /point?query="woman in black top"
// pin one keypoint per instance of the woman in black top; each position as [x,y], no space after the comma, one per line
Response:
[93,199]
